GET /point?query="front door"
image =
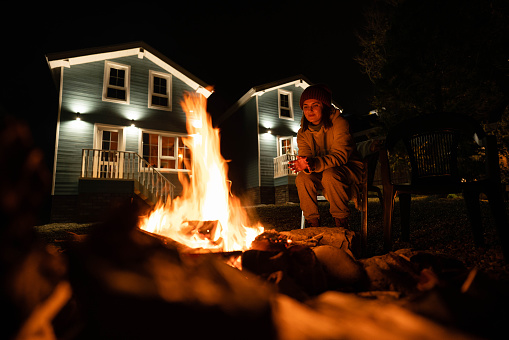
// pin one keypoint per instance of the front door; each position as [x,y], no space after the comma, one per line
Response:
[107,158]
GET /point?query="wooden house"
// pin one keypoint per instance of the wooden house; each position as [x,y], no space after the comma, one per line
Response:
[259,137]
[119,128]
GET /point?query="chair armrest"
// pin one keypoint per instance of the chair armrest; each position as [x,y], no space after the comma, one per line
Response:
[385,170]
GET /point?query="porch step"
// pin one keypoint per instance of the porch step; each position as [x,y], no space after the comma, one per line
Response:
[144,198]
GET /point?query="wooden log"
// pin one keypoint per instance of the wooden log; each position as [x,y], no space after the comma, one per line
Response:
[335,315]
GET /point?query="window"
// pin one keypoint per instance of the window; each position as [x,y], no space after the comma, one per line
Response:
[165,151]
[285,104]
[285,145]
[116,82]
[159,96]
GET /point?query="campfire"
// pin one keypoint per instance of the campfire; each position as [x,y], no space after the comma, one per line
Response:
[120,282]
[206,215]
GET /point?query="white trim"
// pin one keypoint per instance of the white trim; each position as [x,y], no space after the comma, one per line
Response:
[197,87]
[297,83]
[108,65]
[105,127]
[290,103]
[57,133]
[140,53]
[59,63]
[97,57]
[168,78]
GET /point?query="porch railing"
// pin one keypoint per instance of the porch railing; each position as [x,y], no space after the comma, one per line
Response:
[127,165]
[281,165]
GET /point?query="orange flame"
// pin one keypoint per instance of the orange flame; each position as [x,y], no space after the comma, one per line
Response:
[206,194]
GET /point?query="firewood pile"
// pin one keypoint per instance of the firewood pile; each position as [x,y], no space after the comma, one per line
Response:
[121,283]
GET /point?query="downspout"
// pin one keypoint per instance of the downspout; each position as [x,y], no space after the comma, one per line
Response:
[57,133]
[258,134]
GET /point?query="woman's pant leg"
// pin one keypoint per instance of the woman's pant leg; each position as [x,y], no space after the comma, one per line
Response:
[307,186]
[336,183]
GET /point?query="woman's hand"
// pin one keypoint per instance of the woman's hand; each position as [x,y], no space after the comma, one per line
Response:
[301,163]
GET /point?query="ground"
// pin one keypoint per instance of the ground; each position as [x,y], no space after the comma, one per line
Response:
[439,225]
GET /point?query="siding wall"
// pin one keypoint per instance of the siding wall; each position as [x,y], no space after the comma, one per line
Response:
[269,118]
[252,159]
[82,92]
[239,145]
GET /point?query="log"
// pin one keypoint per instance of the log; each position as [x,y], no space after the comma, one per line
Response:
[336,315]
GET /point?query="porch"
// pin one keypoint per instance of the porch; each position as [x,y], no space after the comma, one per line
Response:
[98,166]
[281,168]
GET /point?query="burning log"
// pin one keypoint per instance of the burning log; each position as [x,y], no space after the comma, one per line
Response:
[210,230]
[301,266]
[294,271]
[206,214]
[142,287]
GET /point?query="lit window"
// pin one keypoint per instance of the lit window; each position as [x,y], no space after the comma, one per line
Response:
[159,96]
[116,82]
[285,145]
[285,104]
[165,151]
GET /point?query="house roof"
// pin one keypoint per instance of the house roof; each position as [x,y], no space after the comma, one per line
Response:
[139,48]
[298,80]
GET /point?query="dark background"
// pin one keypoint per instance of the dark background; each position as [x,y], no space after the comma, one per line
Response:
[231,45]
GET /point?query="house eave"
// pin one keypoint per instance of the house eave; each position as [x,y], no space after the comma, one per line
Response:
[298,81]
[140,49]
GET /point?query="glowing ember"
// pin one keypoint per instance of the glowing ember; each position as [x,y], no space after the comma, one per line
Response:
[206,194]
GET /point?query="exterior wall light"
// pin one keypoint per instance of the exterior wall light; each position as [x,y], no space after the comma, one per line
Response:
[78,116]
[132,123]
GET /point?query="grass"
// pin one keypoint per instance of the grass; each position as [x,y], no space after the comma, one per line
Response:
[438,225]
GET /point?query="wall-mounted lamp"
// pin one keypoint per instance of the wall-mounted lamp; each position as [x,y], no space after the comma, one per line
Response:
[132,123]
[78,116]
[269,131]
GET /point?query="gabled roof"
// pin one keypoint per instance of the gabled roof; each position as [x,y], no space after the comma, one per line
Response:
[139,48]
[298,80]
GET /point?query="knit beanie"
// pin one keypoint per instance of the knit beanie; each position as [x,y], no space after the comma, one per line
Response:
[319,92]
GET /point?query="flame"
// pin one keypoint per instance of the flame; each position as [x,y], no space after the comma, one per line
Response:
[206,193]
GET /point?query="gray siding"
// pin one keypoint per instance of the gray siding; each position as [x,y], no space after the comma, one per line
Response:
[251,137]
[269,117]
[82,92]
[255,158]
[239,145]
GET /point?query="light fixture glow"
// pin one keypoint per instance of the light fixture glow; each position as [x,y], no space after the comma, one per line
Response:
[132,123]
[78,116]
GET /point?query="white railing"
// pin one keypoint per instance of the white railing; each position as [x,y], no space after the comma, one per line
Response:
[281,165]
[107,164]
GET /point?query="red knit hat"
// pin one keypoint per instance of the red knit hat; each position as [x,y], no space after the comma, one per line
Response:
[319,92]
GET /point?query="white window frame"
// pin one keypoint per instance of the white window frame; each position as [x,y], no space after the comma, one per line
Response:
[280,140]
[151,93]
[99,128]
[159,149]
[108,65]
[290,103]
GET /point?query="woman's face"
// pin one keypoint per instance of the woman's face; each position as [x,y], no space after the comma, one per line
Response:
[313,110]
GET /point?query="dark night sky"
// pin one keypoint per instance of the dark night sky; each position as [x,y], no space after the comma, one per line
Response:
[232,45]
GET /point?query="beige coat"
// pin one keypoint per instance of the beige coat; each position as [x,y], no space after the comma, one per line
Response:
[331,147]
